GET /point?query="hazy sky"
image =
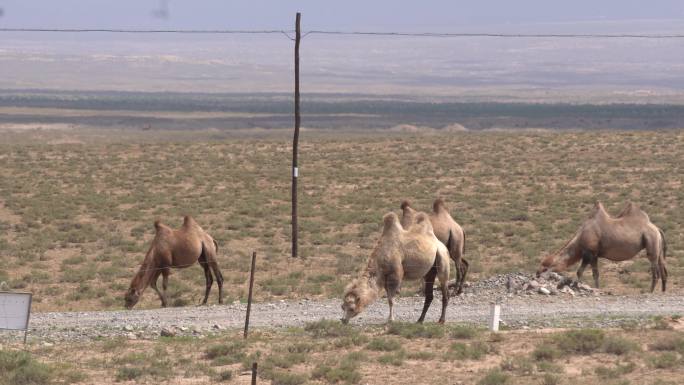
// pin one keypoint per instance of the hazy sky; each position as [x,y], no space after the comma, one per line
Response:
[413,15]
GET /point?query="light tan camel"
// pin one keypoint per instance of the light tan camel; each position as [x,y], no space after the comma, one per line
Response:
[176,249]
[447,231]
[400,255]
[615,238]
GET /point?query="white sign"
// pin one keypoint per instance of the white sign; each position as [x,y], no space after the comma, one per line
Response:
[14,310]
[295,172]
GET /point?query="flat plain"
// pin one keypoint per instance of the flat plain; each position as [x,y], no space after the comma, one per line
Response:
[77,210]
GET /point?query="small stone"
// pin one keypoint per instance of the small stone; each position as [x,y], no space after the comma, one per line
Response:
[128,328]
[166,332]
[217,327]
[48,344]
[584,286]
[131,336]
[543,290]
[534,285]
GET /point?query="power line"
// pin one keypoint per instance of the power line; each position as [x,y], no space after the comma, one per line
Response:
[505,35]
[346,33]
[150,31]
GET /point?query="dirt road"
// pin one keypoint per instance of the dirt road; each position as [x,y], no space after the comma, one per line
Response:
[519,311]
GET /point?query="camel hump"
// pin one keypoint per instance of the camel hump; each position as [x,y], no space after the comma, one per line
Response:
[631,209]
[390,222]
[187,220]
[423,224]
[598,209]
[439,205]
[405,204]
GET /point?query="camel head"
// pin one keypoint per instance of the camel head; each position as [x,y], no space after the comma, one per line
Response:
[357,295]
[134,291]
[550,263]
[131,298]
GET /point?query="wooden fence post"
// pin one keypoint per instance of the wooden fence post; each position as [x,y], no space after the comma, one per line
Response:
[254,373]
[249,296]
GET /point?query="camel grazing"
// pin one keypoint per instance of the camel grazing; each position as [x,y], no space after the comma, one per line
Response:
[400,255]
[176,249]
[617,239]
[447,231]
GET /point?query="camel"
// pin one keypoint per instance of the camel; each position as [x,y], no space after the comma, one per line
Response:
[176,249]
[400,255]
[615,238]
[447,231]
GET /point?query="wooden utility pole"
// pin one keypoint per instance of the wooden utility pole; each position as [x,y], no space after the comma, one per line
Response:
[295,141]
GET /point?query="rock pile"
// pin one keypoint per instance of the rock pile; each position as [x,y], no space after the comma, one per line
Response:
[549,283]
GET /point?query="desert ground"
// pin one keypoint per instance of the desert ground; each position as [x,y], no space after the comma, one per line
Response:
[77,209]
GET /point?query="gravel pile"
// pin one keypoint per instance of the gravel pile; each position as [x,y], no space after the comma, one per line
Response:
[524,284]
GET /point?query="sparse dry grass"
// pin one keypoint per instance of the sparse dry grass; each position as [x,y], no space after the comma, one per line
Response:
[311,355]
[76,217]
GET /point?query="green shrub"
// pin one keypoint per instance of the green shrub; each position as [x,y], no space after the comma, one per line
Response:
[619,346]
[460,351]
[329,328]
[549,367]
[463,332]
[128,373]
[226,354]
[19,368]
[545,352]
[421,356]
[619,370]
[416,330]
[395,359]
[665,360]
[347,371]
[286,378]
[520,365]
[550,379]
[494,377]
[668,344]
[225,375]
[581,341]
[384,345]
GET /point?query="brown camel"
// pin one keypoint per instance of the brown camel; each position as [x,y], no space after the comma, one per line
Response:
[176,249]
[400,255]
[617,239]
[447,231]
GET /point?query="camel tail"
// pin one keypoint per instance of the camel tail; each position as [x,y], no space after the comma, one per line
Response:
[664,243]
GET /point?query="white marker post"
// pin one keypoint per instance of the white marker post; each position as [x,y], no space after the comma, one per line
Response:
[15,309]
[495,317]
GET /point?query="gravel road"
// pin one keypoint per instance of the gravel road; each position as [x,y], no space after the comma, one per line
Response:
[517,311]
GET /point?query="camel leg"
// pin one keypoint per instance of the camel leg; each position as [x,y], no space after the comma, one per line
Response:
[153,283]
[445,300]
[219,279]
[392,288]
[654,273]
[587,258]
[580,271]
[595,271]
[165,285]
[207,276]
[663,274]
[429,295]
[463,272]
